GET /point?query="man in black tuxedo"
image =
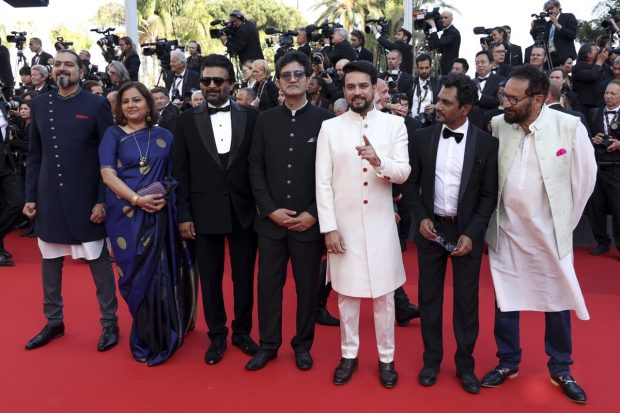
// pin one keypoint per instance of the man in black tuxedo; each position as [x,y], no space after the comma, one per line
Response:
[401,43]
[538,58]
[338,47]
[586,75]
[514,53]
[500,67]
[397,80]
[560,32]
[40,57]
[282,161]
[303,45]
[6,72]
[180,79]
[358,41]
[215,203]
[487,82]
[168,113]
[11,191]
[455,166]
[606,196]
[448,44]
[245,43]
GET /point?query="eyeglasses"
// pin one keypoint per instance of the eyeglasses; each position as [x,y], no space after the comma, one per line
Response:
[297,74]
[513,100]
[499,51]
[441,240]
[218,81]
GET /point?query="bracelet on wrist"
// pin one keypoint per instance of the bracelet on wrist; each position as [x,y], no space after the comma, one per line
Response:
[134,199]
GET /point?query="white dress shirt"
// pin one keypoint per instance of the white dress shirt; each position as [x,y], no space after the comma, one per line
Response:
[222,129]
[177,83]
[4,123]
[425,98]
[448,171]
[610,117]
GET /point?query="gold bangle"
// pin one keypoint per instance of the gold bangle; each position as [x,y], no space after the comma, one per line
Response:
[134,199]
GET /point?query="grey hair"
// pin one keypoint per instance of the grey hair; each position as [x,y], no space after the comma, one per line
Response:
[343,32]
[179,53]
[41,69]
[341,104]
[121,69]
[551,3]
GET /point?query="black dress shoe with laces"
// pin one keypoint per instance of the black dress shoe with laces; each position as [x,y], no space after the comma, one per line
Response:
[46,335]
[324,318]
[469,382]
[303,360]
[404,317]
[246,344]
[345,370]
[600,250]
[109,338]
[497,376]
[215,352]
[260,360]
[387,374]
[570,388]
[428,376]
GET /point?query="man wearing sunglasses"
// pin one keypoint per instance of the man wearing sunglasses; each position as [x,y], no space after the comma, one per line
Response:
[547,172]
[215,202]
[455,166]
[282,160]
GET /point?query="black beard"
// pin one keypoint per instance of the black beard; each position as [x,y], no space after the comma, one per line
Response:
[360,109]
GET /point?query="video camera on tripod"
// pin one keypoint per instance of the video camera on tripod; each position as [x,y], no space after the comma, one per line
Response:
[539,26]
[381,24]
[19,38]
[161,48]
[420,17]
[108,43]
[61,44]
[488,39]
[612,14]
[227,28]
[283,38]
[326,30]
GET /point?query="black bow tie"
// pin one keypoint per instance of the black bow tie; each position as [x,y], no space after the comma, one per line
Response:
[447,134]
[610,112]
[213,111]
[178,76]
[482,79]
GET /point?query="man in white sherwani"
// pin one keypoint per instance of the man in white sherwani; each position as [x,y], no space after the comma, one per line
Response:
[547,172]
[359,155]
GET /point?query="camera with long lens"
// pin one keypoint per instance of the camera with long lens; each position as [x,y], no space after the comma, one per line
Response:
[613,132]
[329,72]
[61,44]
[426,119]
[420,17]
[323,31]
[381,24]
[11,105]
[108,43]
[487,39]
[161,48]
[283,38]
[611,14]
[227,28]
[19,38]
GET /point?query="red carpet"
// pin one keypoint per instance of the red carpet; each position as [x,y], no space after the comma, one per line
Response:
[69,375]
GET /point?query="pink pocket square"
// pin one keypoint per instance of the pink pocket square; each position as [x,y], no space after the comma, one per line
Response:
[560,152]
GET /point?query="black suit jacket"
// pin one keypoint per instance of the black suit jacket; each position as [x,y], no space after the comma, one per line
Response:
[44,58]
[191,80]
[581,116]
[404,48]
[209,193]
[365,54]
[448,45]
[342,50]
[586,79]
[502,70]
[6,159]
[6,73]
[488,99]
[478,191]
[132,64]
[305,49]
[563,39]
[245,43]
[168,117]
[514,55]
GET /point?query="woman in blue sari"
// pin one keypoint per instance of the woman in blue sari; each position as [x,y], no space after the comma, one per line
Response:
[152,260]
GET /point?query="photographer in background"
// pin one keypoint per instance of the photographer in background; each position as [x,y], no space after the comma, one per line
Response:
[303,45]
[500,67]
[118,75]
[514,54]
[560,32]
[245,43]
[425,91]
[194,60]
[6,72]
[332,76]
[338,47]
[25,83]
[40,57]
[129,57]
[586,76]
[401,43]
[448,44]
[358,41]
[179,80]
[606,195]
[397,80]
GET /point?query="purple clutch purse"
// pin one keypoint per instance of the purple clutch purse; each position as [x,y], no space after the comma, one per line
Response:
[156,188]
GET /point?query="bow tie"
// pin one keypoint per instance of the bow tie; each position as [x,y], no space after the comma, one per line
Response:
[178,76]
[482,79]
[213,111]
[447,134]
[610,112]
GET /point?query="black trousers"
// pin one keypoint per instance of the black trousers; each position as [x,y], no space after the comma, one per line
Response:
[604,199]
[12,196]
[273,258]
[432,261]
[210,257]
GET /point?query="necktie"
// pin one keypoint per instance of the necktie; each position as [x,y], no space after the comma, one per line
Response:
[213,111]
[447,134]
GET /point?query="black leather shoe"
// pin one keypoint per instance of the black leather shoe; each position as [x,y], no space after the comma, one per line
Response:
[570,388]
[324,318]
[428,376]
[469,382]
[215,352]
[387,374]
[6,262]
[345,370]
[303,359]
[497,376]
[246,344]
[260,360]
[404,317]
[5,253]
[600,250]
[46,335]
[109,338]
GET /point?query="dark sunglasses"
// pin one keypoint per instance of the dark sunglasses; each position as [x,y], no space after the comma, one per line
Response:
[206,81]
[298,74]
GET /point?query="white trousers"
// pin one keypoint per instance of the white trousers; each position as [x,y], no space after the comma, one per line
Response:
[384,316]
